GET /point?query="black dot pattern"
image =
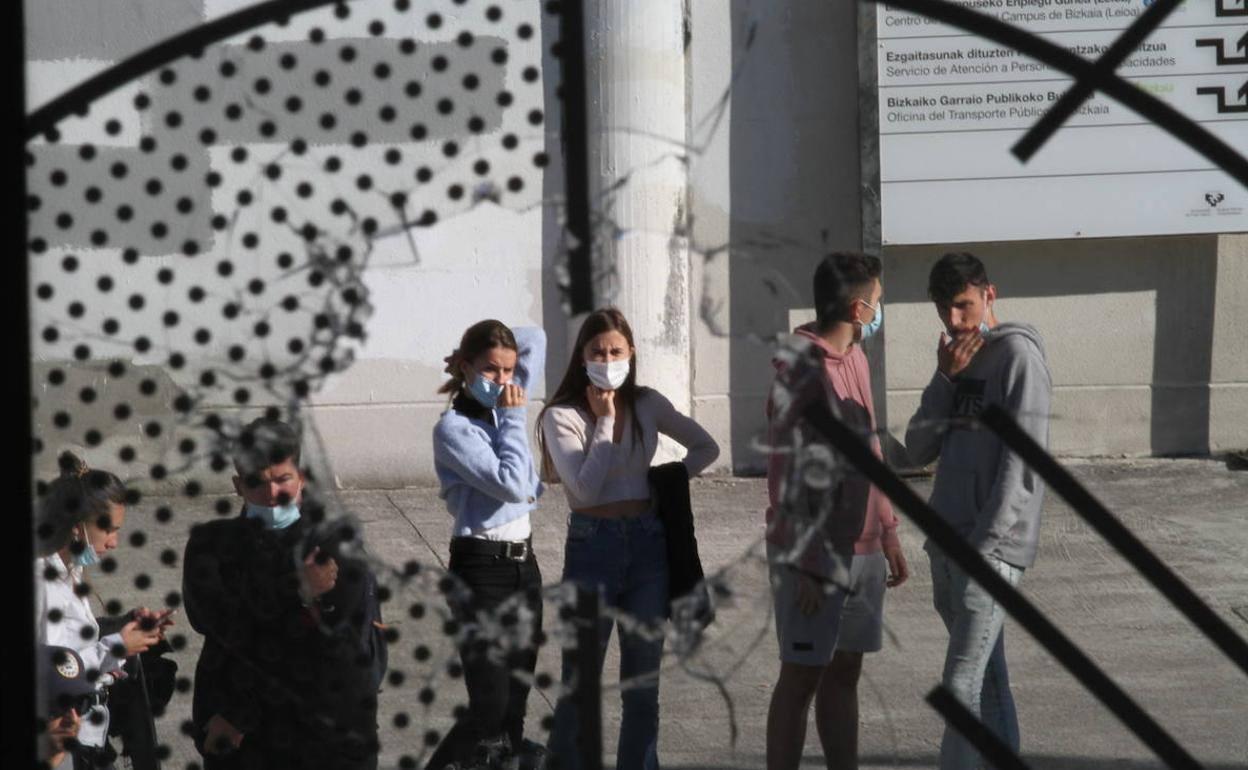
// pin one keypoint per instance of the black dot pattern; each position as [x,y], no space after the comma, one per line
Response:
[221,178]
[199,245]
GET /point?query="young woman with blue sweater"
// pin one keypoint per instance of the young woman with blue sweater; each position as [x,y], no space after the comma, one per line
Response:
[485,468]
[599,433]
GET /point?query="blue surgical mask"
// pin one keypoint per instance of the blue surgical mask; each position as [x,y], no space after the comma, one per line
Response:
[870,329]
[274,516]
[88,555]
[485,391]
[983,327]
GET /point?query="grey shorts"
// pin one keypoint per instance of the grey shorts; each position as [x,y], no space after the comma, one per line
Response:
[843,621]
[862,618]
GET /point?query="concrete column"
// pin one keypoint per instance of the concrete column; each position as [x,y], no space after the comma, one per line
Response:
[637,126]
[1228,386]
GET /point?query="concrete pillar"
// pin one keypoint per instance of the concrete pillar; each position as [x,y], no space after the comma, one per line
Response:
[1228,386]
[638,183]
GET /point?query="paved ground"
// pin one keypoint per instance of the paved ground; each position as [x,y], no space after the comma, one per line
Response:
[1194,514]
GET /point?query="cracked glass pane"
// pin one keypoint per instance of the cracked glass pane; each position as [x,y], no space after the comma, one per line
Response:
[249,263]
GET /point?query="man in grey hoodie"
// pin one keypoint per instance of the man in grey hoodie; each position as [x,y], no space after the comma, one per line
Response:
[984,491]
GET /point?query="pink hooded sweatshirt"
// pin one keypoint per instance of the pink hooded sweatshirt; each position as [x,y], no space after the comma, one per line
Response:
[847,382]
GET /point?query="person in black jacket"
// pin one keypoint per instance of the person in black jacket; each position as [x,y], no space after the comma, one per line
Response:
[293,655]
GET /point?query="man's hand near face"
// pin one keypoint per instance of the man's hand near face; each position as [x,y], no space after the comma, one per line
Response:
[952,356]
[317,576]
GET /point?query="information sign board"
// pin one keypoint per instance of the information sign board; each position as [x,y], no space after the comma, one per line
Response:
[951,105]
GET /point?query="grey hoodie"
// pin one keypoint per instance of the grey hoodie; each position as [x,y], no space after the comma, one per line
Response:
[987,493]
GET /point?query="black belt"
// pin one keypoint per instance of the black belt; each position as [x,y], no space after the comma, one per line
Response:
[499,549]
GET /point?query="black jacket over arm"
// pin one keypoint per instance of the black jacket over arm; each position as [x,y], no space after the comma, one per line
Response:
[671,488]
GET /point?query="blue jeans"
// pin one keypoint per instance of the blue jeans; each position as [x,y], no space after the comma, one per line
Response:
[626,560]
[975,670]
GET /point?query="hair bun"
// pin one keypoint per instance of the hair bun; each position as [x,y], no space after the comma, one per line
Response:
[73,466]
[452,363]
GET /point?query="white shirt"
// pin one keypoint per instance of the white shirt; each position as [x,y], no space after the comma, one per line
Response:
[58,594]
[514,531]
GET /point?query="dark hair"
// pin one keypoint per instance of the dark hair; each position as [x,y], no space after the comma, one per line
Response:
[951,275]
[571,390]
[477,339]
[839,279]
[80,494]
[263,443]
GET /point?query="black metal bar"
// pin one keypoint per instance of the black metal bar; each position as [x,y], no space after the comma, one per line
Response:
[1044,128]
[1153,569]
[869,144]
[79,98]
[19,680]
[575,95]
[1130,96]
[1084,670]
[588,695]
[960,718]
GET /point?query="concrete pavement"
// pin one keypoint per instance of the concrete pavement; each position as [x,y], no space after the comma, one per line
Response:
[1192,513]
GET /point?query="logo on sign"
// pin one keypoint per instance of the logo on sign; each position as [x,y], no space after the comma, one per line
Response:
[1216,205]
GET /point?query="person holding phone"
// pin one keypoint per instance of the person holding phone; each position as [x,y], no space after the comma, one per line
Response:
[79,520]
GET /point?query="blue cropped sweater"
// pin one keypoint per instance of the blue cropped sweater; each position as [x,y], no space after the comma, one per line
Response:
[482,456]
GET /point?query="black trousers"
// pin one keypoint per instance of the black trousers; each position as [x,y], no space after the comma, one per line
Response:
[496,699]
[252,756]
[294,739]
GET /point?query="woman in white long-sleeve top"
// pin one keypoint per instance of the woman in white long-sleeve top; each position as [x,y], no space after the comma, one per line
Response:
[80,516]
[490,485]
[599,432]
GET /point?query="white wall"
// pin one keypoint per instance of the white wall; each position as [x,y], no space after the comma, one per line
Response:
[1136,332]
[1145,336]
[774,187]
[372,420]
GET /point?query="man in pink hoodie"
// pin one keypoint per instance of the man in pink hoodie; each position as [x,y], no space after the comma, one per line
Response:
[832,541]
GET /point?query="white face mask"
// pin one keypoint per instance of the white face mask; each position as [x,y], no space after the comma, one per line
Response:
[608,375]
